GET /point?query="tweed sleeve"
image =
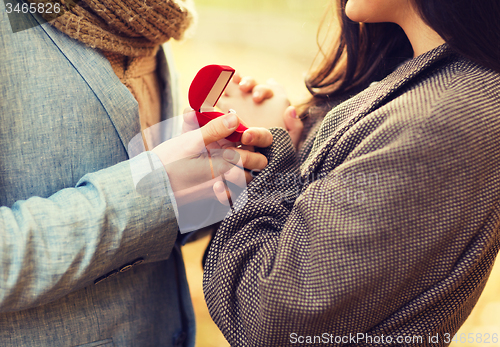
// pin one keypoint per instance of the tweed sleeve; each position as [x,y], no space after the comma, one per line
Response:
[396,221]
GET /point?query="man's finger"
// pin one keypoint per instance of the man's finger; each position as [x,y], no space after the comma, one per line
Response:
[190,122]
[258,137]
[222,194]
[251,160]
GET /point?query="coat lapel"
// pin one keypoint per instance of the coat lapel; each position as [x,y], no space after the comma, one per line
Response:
[95,69]
[345,115]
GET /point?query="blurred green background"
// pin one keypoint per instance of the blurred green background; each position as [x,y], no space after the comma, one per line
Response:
[275,39]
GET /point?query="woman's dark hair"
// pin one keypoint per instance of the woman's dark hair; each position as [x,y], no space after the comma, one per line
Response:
[367,52]
[471,28]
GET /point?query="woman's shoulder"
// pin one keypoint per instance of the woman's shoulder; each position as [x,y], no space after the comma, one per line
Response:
[459,90]
[456,103]
[467,81]
[468,76]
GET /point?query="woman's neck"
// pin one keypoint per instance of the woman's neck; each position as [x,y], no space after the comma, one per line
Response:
[422,37]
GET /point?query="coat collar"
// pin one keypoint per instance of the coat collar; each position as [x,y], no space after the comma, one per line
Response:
[345,115]
[95,69]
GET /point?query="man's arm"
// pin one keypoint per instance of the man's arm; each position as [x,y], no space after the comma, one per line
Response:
[79,236]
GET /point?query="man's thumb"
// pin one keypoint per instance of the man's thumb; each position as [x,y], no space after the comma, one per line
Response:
[219,128]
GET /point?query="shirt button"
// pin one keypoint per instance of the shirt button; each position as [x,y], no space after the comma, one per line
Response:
[138,261]
[100,279]
[112,274]
[126,268]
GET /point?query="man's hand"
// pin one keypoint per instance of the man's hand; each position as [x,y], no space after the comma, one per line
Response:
[198,159]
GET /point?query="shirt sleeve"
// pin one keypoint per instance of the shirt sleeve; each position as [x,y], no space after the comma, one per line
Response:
[51,247]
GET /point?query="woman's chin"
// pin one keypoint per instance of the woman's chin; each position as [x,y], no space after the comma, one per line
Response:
[352,11]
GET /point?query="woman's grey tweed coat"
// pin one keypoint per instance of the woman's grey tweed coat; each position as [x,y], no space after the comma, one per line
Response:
[389,227]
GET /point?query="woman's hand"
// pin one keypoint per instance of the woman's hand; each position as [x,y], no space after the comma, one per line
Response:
[198,159]
[262,94]
[257,105]
[293,125]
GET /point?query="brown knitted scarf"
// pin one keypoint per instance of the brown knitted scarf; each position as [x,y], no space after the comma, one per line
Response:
[132,28]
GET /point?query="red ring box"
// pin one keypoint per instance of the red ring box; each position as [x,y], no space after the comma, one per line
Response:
[204,92]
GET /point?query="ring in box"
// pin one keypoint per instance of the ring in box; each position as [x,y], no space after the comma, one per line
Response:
[204,92]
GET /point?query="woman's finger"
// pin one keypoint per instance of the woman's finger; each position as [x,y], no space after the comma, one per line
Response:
[294,125]
[236,78]
[262,92]
[247,83]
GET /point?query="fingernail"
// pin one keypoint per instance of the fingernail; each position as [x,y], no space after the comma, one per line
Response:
[232,111]
[224,167]
[230,121]
[293,113]
[247,137]
[229,155]
[256,95]
[219,187]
